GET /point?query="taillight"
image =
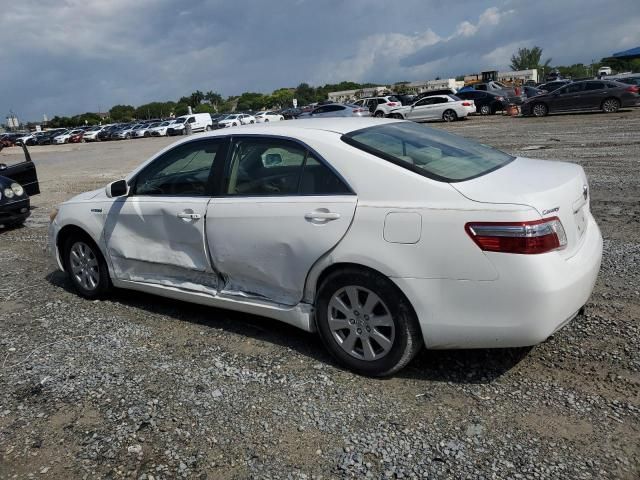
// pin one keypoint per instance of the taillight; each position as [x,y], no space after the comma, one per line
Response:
[392,104]
[538,236]
[632,89]
[359,110]
[466,104]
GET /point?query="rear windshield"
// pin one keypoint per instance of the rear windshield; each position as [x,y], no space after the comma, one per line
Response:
[429,152]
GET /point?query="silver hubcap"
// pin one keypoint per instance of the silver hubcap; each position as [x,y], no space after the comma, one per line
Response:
[84,266]
[484,109]
[539,110]
[361,323]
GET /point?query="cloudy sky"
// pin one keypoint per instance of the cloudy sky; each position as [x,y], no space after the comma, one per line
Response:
[72,56]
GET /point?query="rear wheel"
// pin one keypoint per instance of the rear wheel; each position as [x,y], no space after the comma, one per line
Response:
[366,323]
[485,110]
[379,114]
[208,128]
[610,105]
[449,116]
[85,267]
[540,110]
[398,116]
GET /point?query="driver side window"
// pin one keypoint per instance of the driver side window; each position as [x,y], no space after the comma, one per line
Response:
[265,167]
[182,171]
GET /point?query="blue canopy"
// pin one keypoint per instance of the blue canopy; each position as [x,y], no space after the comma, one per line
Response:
[631,53]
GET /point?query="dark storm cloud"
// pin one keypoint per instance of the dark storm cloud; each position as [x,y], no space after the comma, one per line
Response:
[82,55]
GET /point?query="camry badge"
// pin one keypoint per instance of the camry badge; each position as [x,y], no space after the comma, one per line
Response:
[585,192]
[551,210]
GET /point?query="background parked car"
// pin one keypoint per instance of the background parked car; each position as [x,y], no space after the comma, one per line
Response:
[605,95]
[337,110]
[91,135]
[64,137]
[49,135]
[161,129]
[290,113]
[379,106]
[145,130]
[632,79]
[199,122]
[487,103]
[77,137]
[436,107]
[532,91]
[236,119]
[513,95]
[551,86]
[105,133]
[268,116]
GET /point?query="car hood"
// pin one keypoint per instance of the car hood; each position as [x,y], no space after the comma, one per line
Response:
[83,197]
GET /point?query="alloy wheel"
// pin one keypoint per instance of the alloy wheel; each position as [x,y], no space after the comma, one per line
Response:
[361,323]
[539,110]
[84,266]
[610,105]
[449,116]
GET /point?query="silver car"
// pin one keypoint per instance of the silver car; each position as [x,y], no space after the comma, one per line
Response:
[337,110]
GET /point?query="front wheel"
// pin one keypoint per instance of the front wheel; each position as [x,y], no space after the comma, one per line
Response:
[449,116]
[366,322]
[208,128]
[611,105]
[85,267]
[540,110]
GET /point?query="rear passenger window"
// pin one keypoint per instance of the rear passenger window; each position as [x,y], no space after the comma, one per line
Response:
[594,86]
[318,179]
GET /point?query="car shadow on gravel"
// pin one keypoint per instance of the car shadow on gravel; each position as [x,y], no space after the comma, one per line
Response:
[478,366]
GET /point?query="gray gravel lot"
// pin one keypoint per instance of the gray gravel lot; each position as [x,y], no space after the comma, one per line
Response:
[143,387]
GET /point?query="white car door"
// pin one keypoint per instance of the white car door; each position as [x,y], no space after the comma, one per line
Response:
[282,208]
[438,106]
[157,233]
[420,110]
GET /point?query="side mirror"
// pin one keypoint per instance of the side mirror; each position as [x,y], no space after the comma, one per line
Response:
[119,188]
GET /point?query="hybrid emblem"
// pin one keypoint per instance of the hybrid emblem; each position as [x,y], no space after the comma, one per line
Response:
[585,192]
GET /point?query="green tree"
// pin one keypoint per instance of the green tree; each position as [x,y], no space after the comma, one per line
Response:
[251,101]
[528,58]
[122,113]
[282,98]
[155,110]
[196,98]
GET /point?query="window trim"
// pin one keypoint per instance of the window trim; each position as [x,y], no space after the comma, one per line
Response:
[349,140]
[222,191]
[211,186]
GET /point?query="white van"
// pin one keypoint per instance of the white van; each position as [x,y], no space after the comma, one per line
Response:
[200,122]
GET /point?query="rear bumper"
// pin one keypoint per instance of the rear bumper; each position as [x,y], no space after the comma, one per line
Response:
[533,297]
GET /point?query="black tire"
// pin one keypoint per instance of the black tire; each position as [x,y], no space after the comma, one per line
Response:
[103,284]
[207,128]
[610,105]
[407,337]
[484,110]
[539,110]
[252,121]
[147,134]
[449,116]
[379,114]
[397,115]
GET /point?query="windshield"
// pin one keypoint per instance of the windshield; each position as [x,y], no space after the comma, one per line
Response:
[429,152]
[230,117]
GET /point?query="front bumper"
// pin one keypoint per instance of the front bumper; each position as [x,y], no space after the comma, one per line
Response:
[16,211]
[533,297]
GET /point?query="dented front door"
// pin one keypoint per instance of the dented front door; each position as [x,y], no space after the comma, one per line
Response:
[157,233]
[160,241]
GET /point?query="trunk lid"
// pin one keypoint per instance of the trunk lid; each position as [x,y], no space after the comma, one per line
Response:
[554,189]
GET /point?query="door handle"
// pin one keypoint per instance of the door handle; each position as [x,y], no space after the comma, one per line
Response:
[189,216]
[324,216]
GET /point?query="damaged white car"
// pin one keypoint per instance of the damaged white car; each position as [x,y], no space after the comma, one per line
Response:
[381,235]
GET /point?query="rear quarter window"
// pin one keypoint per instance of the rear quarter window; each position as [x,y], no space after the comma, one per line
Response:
[429,152]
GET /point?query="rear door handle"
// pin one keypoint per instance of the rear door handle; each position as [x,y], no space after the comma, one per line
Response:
[324,216]
[189,216]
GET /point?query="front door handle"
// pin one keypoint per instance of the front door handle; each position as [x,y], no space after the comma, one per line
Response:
[322,216]
[189,216]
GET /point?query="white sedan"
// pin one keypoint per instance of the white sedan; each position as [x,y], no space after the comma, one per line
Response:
[236,119]
[265,117]
[435,107]
[64,137]
[381,235]
[161,129]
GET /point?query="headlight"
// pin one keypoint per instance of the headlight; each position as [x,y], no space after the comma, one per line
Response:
[17,189]
[53,214]
[8,193]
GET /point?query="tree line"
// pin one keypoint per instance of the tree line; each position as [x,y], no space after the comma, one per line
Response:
[210,102]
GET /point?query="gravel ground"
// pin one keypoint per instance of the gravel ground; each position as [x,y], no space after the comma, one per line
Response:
[143,387]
